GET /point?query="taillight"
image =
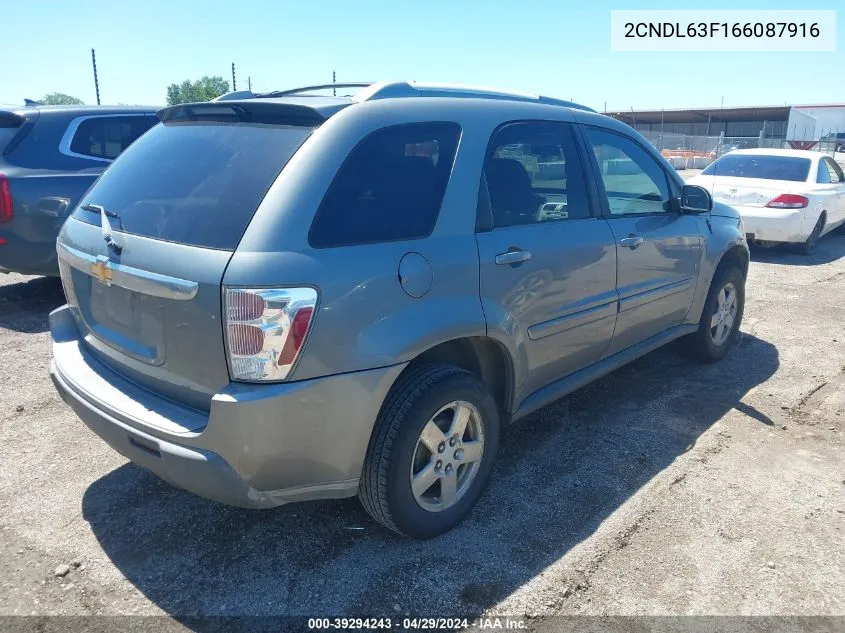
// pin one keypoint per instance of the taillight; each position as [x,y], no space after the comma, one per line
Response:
[266,329]
[6,212]
[788,201]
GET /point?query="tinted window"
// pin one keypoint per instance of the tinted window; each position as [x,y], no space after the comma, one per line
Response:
[760,166]
[108,136]
[534,174]
[194,183]
[634,181]
[389,188]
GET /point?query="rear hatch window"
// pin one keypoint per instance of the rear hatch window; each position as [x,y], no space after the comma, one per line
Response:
[760,166]
[193,182]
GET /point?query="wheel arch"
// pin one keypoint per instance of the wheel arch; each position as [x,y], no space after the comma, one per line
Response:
[735,255]
[480,355]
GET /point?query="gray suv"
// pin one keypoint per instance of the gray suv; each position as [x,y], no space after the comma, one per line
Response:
[288,296]
[49,157]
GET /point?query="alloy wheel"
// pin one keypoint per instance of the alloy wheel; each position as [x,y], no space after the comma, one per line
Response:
[447,456]
[724,314]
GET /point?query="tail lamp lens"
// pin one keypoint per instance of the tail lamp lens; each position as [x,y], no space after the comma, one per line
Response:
[244,306]
[6,212]
[788,201]
[298,330]
[245,339]
[265,330]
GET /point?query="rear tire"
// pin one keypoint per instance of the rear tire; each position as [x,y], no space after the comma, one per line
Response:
[723,309]
[807,247]
[434,398]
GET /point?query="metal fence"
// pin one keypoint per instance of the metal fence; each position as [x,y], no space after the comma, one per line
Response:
[696,152]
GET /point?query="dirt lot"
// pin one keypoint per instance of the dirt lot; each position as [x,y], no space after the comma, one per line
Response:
[665,488]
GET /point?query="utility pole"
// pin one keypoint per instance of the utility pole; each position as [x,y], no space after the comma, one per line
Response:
[334,81]
[234,85]
[249,82]
[96,82]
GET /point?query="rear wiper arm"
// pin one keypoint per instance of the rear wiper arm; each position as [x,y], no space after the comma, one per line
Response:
[96,208]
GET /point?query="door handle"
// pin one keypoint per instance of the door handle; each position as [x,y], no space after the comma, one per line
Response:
[512,257]
[632,241]
[53,207]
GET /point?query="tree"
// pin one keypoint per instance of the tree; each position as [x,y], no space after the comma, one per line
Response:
[60,98]
[204,89]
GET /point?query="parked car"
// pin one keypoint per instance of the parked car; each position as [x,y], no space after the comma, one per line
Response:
[295,297]
[783,195]
[49,157]
[836,139]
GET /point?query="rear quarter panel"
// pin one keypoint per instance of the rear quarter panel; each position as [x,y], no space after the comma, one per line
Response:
[42,201]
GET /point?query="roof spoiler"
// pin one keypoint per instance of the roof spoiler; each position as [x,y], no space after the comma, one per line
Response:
[248,111]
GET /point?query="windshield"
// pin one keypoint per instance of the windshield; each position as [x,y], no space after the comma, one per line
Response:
[193,183]
[760,166]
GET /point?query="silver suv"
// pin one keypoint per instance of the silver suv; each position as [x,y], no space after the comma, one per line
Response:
[282,297]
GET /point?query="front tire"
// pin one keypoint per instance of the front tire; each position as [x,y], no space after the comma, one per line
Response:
[718,329]
[432,451]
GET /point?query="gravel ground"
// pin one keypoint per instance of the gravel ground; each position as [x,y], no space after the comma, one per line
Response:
[664,488]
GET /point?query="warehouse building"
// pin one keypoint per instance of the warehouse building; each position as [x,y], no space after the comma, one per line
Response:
[784,123]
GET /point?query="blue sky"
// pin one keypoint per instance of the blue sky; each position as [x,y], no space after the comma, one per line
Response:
[553,47]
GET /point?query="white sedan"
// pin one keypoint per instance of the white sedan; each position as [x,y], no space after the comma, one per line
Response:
[783,195]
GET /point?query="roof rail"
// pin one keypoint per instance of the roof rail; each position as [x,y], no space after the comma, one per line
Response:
[399,89]
[294,91]
[372,91]
[238,94]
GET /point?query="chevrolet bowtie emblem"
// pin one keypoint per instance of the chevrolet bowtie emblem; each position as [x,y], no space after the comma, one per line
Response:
[102,271]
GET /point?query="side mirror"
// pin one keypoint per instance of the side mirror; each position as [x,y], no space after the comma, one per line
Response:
[695,199]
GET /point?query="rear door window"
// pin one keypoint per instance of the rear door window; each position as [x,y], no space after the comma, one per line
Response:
[196,183]
[389,188]
[107,136]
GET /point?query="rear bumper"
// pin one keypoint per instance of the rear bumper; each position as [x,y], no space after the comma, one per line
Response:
[201,472]
[775,225]
[261,446]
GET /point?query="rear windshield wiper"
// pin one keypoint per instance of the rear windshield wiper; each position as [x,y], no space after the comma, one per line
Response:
[105,227]
[96,208]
